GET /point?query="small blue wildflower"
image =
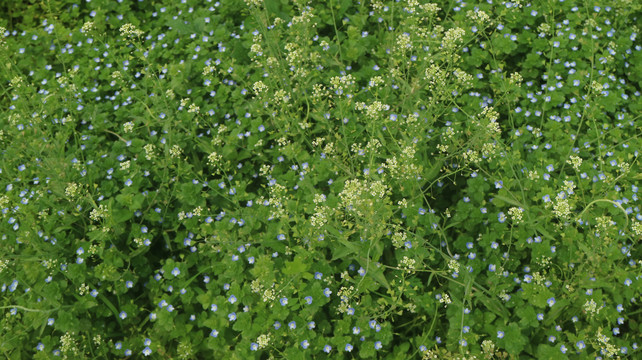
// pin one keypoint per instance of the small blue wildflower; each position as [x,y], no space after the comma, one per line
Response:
[176,272]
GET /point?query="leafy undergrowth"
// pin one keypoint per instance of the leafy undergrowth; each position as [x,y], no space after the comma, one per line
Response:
[322,179]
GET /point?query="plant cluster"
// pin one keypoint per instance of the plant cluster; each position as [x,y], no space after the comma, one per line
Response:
[321,179]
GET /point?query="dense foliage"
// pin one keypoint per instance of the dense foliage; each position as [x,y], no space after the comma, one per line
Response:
[320,179]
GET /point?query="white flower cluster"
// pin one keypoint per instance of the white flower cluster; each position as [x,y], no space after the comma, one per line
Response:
[453,265]
[452,37]
[259,87]
[607,349]
[575,161]
[354,196]
[478,16]
[255,3]
[562,208]
[445,299]
[72,190]
[149,151]
[100,213]
[341,83]
[590,308]
[516,214]
[214,159]
[87,27]
[125,165]
[373,110]
[68,345]
[175,151]
[128,127]
[263,340]
[129,31]
[407,263]
[83,289]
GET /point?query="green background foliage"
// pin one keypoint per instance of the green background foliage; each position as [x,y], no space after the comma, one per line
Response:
[322,179]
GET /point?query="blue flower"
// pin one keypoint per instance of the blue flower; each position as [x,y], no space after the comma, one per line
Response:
[254,346]
[377,345]
[311,325]
[147,351]
[231,316]
[232,299]
[214,333]
[305,344]
[492,267]
[327,292]
[550,302]
[292,325]
[277,325]
[580,345]
[563,349]
[349,347]
[327,349]
[308,300]
[122,315]
[500,334]
[13,286]
[176,272]
[283,301]
[350,311]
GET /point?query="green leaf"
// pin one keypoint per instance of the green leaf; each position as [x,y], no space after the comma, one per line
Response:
[297,266]
[547,352]
[515,341]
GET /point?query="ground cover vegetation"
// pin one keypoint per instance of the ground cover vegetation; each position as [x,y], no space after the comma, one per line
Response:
[320,179]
